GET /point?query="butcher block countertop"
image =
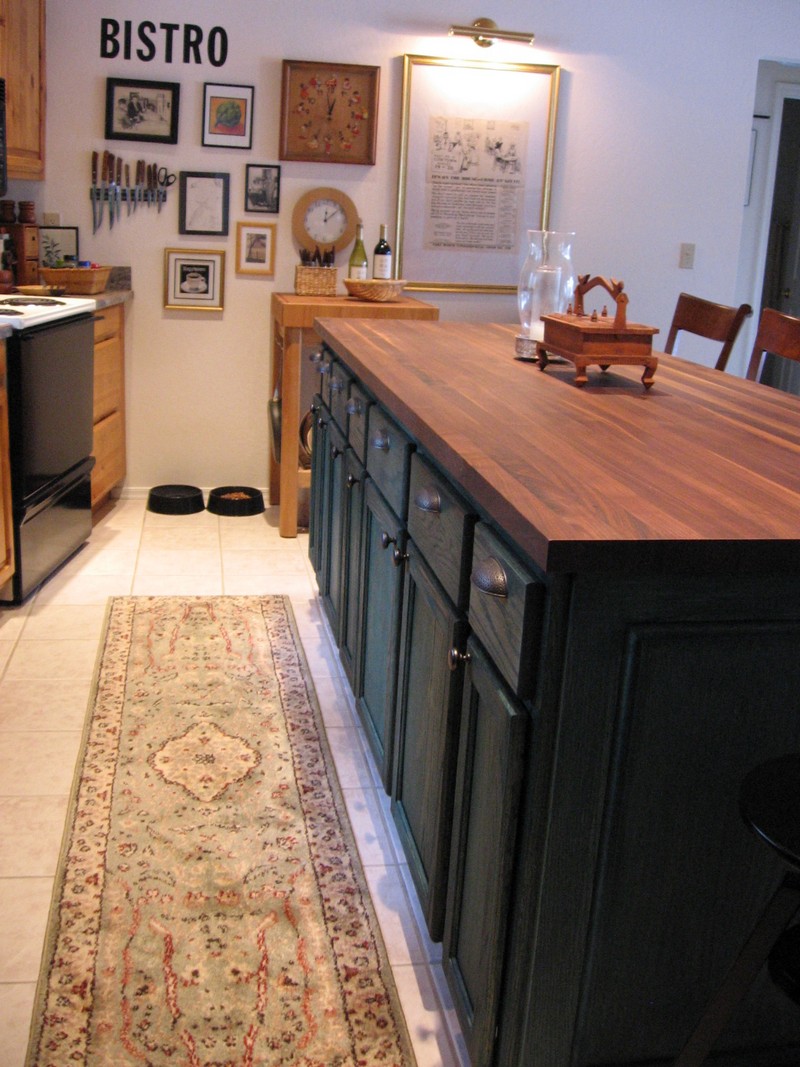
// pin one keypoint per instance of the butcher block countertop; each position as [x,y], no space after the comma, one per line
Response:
[700,473]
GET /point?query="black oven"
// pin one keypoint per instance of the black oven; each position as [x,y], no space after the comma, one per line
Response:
[50,400]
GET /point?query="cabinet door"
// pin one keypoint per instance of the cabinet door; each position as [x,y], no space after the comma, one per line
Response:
[491,761]
[426,734]
[332,525]
[350,604]
[23,66]
[319,465]
[6,532]
[381,577]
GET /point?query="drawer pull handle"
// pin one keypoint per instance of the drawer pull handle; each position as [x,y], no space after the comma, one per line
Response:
[398,557]
[353,407]
[456,658]
[428,500]
[336,385]
[381,441]
[351,481]
[490,578]
[316,357]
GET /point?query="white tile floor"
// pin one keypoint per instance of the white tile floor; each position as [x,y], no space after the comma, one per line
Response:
[48,648]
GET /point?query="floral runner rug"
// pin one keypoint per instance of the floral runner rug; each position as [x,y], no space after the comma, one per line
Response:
[210,909]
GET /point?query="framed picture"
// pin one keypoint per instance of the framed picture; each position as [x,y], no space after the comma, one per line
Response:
[262,188]
[329,112]
[142,111]
[56,243]
[203,203]
[194,279]
[255,248]
[477,142]
[228,115]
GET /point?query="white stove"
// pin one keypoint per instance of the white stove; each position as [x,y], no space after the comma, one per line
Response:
[20,311]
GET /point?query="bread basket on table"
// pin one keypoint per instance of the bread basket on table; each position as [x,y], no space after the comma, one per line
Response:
[380,290]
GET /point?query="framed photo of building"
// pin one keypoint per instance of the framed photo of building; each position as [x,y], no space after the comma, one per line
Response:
[142,110]
[262,188]
[255,248]
[203,203]
[227,115]
[329,112]
[477,145]
[194,279]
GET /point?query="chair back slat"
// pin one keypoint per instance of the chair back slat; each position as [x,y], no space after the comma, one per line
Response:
[778,334]
[716,322]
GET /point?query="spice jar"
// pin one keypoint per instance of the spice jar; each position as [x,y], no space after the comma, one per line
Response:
[27,211]
[8,211]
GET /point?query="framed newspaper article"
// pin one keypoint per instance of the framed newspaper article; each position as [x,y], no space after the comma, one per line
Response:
[476,162]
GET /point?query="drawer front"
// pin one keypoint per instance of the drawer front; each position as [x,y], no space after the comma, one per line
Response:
[358,407]
[441,524]
[109,454]
[108,377]
[506,610]
[388,454]
[340,379]
[108,322]
[30,242]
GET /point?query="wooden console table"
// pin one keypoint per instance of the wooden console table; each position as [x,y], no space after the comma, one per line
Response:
[291,315]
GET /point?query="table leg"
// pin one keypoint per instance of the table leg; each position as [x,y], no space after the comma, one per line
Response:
[277,361]
[290,429]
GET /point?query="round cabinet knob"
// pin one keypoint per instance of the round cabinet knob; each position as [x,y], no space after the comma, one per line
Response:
[381,441]
[351,481]
[456,658]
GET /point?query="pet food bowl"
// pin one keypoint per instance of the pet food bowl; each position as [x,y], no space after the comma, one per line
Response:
[235,500]
[175,499]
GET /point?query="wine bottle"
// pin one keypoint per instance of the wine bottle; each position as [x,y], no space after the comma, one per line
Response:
[382,257]
[357,265]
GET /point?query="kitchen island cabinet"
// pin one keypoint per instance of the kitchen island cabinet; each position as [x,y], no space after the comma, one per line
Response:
[6,528]
[600,879]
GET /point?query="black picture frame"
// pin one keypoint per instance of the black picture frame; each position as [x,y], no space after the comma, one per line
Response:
[142,110]
[262,188]
[56,243]
[203,202]
[228,115]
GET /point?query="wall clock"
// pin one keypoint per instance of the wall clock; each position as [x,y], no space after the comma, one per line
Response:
[324,217]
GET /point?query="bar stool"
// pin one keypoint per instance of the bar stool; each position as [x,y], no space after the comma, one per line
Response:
[769,802]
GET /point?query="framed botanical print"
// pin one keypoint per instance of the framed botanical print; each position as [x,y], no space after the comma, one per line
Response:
[142,110]
[255,248]
[228,115]
[329,112]
[194,279]
[56,243]
[262,188]
[203,203]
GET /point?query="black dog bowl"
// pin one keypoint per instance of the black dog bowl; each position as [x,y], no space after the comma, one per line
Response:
[235,500]
[175,499]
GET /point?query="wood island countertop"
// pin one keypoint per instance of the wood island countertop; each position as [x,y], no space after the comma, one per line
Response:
[700,472]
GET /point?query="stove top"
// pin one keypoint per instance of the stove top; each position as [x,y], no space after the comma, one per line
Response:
[21,311]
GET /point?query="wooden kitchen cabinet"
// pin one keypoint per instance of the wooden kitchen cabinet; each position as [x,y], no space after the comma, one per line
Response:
[22,64]
[109,402]
[6,534]
[26,252]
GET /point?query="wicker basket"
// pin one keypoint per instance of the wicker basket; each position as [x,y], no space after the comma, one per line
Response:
[85,281]
[378,289]
[315,281]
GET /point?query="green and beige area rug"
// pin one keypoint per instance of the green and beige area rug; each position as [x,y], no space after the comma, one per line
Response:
[210,909]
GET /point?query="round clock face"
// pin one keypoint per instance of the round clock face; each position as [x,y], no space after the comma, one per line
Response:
[323,218]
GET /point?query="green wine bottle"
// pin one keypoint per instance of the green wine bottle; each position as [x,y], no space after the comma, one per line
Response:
[357,264]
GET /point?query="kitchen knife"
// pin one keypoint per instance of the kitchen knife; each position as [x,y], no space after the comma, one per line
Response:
[118,189]
[111,196]
[97,203]
[139,182]
[128,187]
[160,194]
[104,187]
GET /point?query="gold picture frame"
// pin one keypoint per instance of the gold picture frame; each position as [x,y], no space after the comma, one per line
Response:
[194,279]
[476,162]
[255,248]
[329,112]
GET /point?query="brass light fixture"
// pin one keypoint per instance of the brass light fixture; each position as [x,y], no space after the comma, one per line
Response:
[484,31]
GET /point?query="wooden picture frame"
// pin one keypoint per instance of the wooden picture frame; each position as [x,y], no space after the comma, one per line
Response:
[477,145]
[194,279]
[203,203]
[56,243]
[227,115]
[255,248]
[262,188]
[142,110]
[329,112]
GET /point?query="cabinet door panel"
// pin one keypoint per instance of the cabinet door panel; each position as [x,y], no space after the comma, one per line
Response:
[333,518]
[426,739]
[318,484]
[109,453]
[490,770]
[108,377]
[350,618]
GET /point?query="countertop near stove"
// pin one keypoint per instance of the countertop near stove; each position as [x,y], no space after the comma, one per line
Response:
[103,300]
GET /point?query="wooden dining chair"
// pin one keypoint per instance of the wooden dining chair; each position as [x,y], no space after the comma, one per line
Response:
[717,322]
[777,334]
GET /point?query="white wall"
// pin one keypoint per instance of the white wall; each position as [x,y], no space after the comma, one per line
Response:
[652,150]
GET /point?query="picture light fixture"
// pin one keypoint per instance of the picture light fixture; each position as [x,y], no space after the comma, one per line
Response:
[484,31]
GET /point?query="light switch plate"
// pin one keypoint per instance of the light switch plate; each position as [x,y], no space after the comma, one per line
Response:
[51,218]
[686,257]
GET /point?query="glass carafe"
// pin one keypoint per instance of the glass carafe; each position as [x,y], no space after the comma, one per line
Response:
[546,284]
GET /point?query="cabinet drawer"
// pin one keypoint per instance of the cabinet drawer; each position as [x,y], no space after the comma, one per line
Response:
[506,607]
[357,413]
[340,379]
[388,454]
[108,376]
[441,525]
[30,242]
[109,454]
[108,322]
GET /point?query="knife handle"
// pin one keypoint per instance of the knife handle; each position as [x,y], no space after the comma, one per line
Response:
[105,166]
[95,160]
[119,170]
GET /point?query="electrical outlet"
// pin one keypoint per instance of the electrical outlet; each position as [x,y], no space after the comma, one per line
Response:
[51,218]
[686,257]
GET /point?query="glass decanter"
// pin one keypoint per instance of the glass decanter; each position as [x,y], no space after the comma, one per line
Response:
[546,285]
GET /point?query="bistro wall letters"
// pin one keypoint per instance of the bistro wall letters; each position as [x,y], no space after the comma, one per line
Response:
[119,40]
